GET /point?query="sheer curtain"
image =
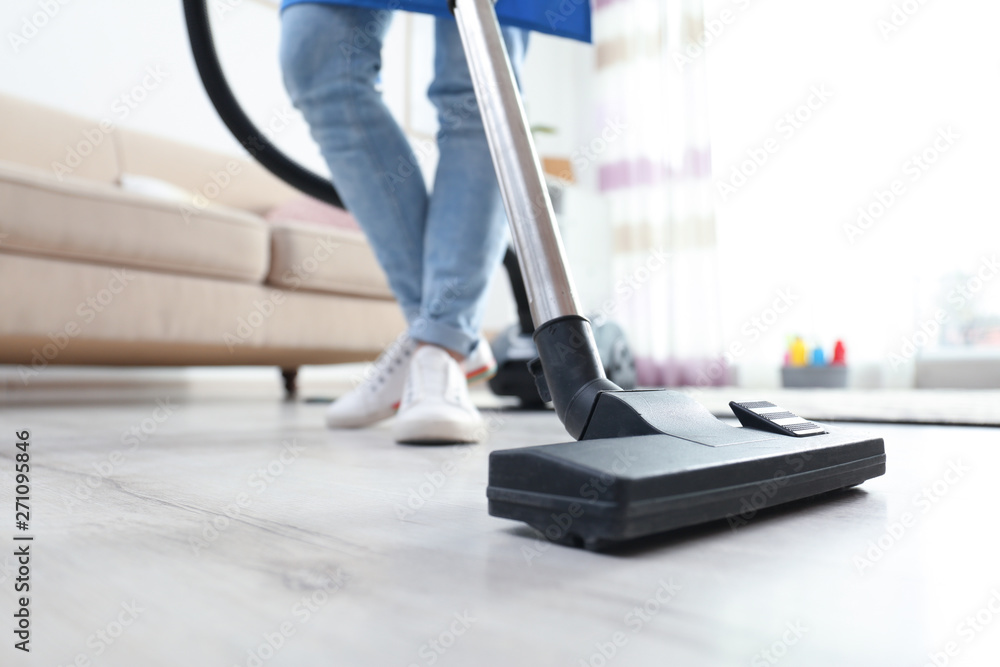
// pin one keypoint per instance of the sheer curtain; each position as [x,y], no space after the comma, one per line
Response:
[655,172]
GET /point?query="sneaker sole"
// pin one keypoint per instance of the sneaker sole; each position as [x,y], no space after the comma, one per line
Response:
[356,423]
[476,376]
[438,432]
[481,374]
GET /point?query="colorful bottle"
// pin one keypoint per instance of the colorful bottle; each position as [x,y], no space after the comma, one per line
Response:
[798,352]
[839,354]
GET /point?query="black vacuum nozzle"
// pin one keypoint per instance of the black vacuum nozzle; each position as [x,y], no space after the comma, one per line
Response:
[606,490]
[650,461]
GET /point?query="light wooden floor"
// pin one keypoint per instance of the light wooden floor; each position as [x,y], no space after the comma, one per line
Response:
[323,559]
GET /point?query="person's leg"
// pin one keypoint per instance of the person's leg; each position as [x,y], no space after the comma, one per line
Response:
[465,233]
[462,249]
[330,58]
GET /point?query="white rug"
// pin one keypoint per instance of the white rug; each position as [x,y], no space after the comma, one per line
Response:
[916,406]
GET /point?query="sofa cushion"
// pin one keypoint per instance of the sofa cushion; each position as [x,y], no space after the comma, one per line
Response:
[216,178]
[64,312]
[63,145]
[324,259]
[308,209]
[100,223]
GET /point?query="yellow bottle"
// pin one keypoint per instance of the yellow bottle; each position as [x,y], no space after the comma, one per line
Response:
[798,352]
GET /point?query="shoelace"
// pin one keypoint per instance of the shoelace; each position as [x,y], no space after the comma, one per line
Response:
[388,363]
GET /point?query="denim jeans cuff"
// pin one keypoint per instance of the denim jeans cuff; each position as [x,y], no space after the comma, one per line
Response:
[437,333]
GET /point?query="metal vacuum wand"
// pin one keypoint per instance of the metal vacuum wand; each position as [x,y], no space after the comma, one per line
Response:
[568,371]
[525,195]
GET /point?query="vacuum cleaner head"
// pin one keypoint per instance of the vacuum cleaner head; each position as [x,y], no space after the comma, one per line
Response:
[689,468]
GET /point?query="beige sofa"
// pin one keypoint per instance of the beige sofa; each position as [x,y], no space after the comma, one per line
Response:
[180,268]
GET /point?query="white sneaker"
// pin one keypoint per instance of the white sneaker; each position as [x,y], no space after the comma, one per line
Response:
[436,406]
[378,397]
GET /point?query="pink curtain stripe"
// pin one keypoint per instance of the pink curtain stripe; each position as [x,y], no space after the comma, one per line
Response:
[644,171]
[655,168]
[598,5]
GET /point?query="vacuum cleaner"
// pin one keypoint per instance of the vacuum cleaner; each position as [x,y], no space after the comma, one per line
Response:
[642,462]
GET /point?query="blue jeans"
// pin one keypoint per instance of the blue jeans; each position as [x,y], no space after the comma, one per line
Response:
[438,250]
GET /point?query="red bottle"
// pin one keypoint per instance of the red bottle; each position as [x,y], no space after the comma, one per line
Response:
[839,354]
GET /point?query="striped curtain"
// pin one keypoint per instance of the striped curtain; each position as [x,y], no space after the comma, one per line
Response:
[656,176]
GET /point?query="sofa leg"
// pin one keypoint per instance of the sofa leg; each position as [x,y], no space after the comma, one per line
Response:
[289,377]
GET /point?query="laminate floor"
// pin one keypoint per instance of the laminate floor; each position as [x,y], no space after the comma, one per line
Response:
[241,532]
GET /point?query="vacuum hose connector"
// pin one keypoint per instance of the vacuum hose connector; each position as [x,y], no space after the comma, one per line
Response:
[574,373]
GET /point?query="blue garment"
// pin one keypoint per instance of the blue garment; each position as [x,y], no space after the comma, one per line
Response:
[564,18]
[438,250]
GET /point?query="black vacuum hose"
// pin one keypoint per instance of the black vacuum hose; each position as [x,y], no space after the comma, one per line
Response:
[253,140]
